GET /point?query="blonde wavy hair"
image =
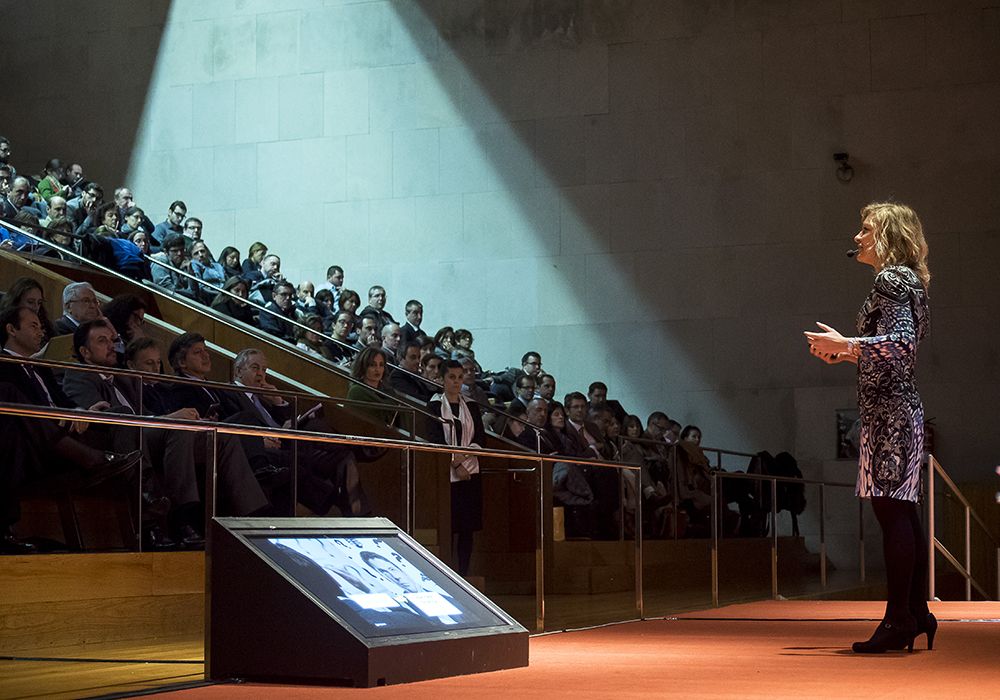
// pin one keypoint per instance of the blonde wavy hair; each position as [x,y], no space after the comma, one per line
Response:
[899,237]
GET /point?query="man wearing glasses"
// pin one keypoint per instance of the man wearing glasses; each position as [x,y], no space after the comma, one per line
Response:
[79,304]
[282,306]
[164,229]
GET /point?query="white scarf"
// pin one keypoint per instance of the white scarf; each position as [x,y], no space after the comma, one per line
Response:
[471,463]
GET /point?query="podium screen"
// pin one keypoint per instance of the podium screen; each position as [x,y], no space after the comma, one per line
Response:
[377,584]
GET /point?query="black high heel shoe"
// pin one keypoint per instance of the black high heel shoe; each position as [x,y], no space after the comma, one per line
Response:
[887,637]
[928,625]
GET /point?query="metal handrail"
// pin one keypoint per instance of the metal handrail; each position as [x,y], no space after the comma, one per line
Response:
[201,308]
[206,383]
[935,545]
[263,308]
[718,475]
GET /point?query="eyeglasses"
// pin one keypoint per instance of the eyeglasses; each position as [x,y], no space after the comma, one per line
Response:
[85,300]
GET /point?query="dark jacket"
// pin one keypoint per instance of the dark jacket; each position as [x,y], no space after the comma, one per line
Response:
[276,325]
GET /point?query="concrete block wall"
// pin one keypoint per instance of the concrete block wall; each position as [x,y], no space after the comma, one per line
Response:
[643,191]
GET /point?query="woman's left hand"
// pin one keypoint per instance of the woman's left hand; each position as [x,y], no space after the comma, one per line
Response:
[830,342]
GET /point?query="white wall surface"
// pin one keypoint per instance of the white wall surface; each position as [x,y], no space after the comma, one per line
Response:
[643,191]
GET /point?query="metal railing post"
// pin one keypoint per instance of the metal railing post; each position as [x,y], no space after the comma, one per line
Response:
[861,540]
[621,507]
[640,602]
[540,553]
[408,496]
[822,536]
[674,477]
[968,553]
[212,478]
[774,538]
[715,539]
[931,534]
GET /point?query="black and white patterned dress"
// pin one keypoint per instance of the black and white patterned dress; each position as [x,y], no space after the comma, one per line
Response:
[892,321]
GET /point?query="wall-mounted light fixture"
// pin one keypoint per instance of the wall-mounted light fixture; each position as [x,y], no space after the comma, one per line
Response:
[844,170]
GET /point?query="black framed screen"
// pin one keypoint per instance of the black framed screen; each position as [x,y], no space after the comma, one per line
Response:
[377,584]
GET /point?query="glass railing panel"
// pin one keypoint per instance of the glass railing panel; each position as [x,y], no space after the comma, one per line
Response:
[591,554]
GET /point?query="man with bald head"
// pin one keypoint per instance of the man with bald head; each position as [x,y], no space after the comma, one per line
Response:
[17,199]
[57,210]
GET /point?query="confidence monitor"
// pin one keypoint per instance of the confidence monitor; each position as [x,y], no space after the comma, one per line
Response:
[346,601]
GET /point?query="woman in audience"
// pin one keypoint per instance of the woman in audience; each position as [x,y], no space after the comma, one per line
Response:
[311,341]
[324,308]
[236,308]
[631,451]
[462,427]
[252,271]
[368,369]
[107,215]
[58,235]
[26,291]
[427,348]
[229,258]
[694,485]
[127,314]
[141,240]
[349,302]
[555,428]
[444,342]
[691,434]
[204,267]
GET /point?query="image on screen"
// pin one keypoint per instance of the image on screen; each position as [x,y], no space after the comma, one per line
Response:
[377,584]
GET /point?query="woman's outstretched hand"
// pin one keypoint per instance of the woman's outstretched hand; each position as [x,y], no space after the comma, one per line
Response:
[829,345]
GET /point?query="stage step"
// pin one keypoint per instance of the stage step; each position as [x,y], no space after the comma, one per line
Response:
[72,599]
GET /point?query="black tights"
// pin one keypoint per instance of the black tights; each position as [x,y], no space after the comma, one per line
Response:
[464,547]
[905,549]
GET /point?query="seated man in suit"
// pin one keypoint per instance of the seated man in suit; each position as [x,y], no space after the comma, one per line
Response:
[534,436]
[36,448]
[282,308]
[597,395]
[376,308]
[343,324]
[79,304]
[175,453]
[409,382]
[329,474]
[603,481]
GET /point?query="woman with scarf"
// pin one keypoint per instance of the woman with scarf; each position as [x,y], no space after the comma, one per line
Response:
[462,426]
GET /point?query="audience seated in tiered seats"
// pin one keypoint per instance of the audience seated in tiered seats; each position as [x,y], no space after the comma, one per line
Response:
[324,321]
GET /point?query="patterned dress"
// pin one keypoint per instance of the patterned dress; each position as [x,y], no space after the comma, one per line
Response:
[892,321]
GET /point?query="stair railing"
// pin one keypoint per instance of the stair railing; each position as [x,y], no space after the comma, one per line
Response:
[964,568]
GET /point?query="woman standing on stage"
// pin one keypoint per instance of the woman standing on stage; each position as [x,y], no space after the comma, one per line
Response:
[892,321]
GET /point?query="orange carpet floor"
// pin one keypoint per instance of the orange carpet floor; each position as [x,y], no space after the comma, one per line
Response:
[775,649]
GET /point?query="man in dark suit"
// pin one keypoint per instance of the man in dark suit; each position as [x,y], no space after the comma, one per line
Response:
[282,308]
[409,382]
[597,394]
[328,473]
[238,486]
[35,448]
[376,308]
[414,317]
[603,481]
[79,304]
[176,453]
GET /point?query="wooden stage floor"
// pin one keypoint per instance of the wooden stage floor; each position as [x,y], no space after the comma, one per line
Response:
[765,649]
